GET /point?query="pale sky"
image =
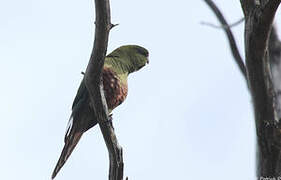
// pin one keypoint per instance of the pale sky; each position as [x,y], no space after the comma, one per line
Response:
[188,114]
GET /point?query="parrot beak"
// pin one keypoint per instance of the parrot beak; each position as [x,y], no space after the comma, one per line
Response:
[147,61]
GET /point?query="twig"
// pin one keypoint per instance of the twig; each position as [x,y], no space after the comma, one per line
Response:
[235,52]
[113,25]
[223,26]
[95,88]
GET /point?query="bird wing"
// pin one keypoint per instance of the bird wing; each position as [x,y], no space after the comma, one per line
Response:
[76,106]
[81,119]
[80,93]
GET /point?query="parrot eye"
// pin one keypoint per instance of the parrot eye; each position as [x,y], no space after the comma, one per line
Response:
[142,51]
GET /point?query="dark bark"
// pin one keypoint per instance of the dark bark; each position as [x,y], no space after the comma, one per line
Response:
[95,88]
[263,56]
[259,16]
[274,49]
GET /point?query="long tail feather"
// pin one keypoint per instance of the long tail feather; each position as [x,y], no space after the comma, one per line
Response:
[66,152]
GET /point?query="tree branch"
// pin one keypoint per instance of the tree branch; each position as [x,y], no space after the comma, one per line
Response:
[259,15]
[263,61]
[95,88]
[274,49]
[248,5]
[222,26]
[235,52]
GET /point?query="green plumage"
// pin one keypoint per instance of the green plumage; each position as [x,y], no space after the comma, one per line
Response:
[117,66]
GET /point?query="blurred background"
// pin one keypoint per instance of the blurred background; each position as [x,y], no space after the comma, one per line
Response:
[188,114]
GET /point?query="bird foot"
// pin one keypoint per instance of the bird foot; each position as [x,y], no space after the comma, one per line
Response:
[110,118]
[109,121]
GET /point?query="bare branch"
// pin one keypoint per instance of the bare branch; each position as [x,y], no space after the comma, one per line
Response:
[274,51]
[248,5]
[113,25]
[95,88]
[274,47]
[259,15]
[263,60]
[232,43]
[222,26]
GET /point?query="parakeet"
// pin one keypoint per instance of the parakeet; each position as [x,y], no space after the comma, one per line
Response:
[117,66]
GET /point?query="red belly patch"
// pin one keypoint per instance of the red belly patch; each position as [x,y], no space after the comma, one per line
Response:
[115,91]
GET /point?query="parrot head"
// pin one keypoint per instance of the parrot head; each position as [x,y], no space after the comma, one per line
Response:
[132,57]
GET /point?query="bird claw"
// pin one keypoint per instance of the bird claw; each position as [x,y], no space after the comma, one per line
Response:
[110,118]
